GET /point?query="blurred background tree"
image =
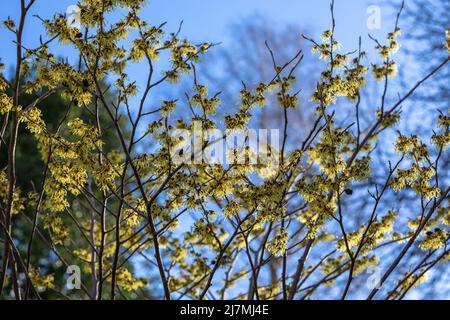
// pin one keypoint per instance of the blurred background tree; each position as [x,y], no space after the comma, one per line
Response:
[55,109]
[245,59]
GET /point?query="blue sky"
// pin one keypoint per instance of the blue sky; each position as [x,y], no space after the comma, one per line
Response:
[208,20]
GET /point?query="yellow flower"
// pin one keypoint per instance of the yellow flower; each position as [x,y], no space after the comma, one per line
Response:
[39,281]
